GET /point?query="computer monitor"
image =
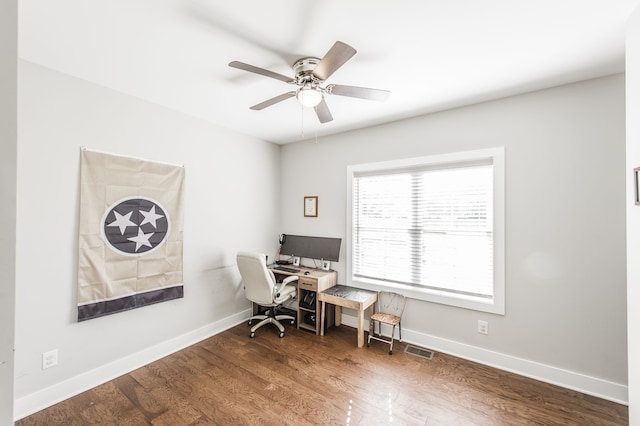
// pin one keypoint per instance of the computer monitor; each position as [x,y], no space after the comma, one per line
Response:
[311,247]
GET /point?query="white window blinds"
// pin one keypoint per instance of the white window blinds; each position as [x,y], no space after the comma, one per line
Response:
[429,227]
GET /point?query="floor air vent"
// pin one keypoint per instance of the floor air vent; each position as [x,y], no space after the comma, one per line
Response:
[414,350]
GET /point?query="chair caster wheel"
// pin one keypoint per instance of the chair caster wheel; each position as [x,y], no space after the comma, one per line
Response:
[368,344]
[293,322]
[390,352]
[252,335]
[249,323]
[281,335]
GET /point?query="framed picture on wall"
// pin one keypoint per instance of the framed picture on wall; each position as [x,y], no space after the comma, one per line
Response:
[311,206]
[636,190]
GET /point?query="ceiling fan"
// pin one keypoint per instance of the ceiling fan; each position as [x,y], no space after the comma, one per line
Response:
[309,75]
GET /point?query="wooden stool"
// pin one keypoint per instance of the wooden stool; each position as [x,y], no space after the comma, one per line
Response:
[389,309]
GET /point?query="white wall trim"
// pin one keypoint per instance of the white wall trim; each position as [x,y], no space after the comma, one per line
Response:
[47,397]
[51,395]
[589,385]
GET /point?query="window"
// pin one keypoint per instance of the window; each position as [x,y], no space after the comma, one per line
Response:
[430,227]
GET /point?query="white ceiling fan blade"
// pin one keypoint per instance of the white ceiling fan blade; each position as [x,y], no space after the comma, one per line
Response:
[335,58]
[322,111]
[358,92]
[257,70]
[275,100]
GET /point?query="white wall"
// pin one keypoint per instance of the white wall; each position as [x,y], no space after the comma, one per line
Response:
[565,316]
[8,144]
[232,202]
[633,214]
[566,311]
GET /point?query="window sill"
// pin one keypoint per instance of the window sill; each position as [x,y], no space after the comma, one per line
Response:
[430,295]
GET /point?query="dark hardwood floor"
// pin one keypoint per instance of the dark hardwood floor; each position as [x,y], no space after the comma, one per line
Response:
[303,379]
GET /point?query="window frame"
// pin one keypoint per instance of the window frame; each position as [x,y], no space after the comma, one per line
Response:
[496,305]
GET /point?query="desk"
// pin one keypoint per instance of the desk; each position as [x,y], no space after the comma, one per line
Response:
[348,297]
[316,281]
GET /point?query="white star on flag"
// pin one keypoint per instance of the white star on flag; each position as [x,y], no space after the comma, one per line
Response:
[141,239]
[122,221]
[151,216]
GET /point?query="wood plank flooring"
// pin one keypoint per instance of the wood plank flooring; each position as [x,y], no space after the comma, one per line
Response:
[303,379]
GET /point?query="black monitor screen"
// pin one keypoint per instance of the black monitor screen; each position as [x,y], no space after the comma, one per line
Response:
[311,247]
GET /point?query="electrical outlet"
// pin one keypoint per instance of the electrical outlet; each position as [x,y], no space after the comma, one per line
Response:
[49,359]
[483,327]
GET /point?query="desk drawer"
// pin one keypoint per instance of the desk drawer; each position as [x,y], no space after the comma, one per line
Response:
[308,283]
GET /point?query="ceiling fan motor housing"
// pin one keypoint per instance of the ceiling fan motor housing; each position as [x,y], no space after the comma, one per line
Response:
[303,69]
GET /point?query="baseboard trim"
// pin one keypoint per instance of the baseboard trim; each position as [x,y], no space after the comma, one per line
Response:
[47,397]
[51,395]
[604,389]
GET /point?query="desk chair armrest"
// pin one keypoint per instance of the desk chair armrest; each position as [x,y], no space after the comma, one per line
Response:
[286,288]
[289,279]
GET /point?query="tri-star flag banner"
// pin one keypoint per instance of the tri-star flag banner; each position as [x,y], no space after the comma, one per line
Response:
[130,236]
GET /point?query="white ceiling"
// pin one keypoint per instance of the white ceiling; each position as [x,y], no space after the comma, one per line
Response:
[431,54]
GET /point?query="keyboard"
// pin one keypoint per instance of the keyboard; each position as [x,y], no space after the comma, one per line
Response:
[285,269]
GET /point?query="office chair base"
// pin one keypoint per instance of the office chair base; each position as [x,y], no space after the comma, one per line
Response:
[269,319]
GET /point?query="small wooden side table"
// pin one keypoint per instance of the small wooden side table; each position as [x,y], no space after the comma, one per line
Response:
[347,297]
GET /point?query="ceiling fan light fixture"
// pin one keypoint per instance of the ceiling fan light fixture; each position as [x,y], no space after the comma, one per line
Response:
[309,96]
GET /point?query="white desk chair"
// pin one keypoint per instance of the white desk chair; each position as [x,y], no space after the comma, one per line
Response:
[262,289]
